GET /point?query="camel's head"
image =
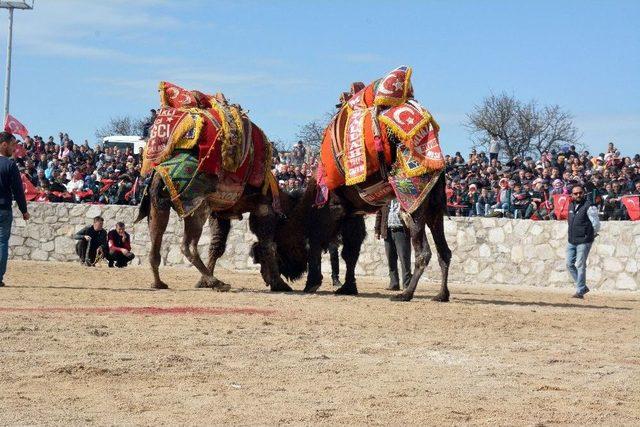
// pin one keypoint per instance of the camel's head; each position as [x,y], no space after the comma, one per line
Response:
[292,232]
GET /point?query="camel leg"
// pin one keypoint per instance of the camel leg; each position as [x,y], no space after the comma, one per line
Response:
[423,255]
[219,234]
[353,233]
[158,220]
[436,225]
[193,225]
[262,222]
[314,275]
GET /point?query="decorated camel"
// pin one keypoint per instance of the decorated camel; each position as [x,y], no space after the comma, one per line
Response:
[381,144]
[209,161]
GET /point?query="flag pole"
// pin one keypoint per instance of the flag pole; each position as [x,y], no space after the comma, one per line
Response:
[7,82]
[11,5]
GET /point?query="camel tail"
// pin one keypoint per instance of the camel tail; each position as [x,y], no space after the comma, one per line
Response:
[442,183]
[145,205]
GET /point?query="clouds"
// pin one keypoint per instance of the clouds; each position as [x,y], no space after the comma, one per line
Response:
[96,31]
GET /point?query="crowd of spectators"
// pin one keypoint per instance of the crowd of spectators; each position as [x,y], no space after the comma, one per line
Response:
[293,169]
[525,187]
[59,170]
[63,171]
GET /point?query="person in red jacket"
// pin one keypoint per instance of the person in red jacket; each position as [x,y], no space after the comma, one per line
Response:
[119,247]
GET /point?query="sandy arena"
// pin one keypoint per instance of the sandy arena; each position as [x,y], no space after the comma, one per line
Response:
[98,346]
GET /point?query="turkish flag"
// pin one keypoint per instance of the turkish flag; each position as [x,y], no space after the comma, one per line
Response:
[632,203]
[132,192]
[106,184]
[30,190]
[11,124]
[561,204]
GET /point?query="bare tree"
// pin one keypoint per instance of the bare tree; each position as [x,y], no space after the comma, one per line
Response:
[278,145]
[121,125]
[521,128]
[311,133]
[557,128]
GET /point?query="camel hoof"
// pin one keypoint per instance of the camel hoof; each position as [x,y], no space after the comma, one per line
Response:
[281,286]
[203,283]
[402,297]
[347,290]
[160,285]
[441,298]
[213,283]
[220,286]
[311,288]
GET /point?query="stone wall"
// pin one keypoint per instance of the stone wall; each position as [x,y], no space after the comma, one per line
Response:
[485,250]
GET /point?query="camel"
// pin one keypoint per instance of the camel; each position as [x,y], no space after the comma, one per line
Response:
[209,162]
[343,212]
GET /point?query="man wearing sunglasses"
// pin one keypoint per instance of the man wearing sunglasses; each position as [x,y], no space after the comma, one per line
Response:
[584,225]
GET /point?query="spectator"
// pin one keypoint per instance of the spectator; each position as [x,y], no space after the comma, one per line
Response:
[583,228]
[92,242]
[484,203]
[469,200]
[519,201]
[299,152]
[119,243]
[146,128]
[397,243]
[10,188]
[494,148]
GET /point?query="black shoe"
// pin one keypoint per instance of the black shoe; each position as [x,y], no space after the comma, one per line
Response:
[393,288]
[577,295]
[336,281]
[2,284]
[586,291]
[110,264]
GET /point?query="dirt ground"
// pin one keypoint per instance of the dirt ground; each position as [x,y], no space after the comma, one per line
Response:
[97,346]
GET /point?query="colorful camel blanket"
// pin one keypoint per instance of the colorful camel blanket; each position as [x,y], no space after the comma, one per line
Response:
[374,121]
[189,188]
[224,136]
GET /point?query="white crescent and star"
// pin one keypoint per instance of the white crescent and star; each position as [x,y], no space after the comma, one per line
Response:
[397,116]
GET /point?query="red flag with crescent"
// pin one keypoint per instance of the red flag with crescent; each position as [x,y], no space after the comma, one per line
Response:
[561,204]
[395,88]
[30,191]
[11,124]
[632,203]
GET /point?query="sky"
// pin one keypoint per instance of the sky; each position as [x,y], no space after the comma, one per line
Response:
[78,63]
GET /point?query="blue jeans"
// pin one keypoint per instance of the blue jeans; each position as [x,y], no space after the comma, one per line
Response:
[482,209]
[577,265]
[6,218]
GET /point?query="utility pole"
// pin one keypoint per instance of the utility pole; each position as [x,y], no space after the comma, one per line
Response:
[11,5]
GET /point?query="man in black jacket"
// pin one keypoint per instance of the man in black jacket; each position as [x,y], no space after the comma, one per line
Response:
[92,241]
[584,225]
[10,188]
